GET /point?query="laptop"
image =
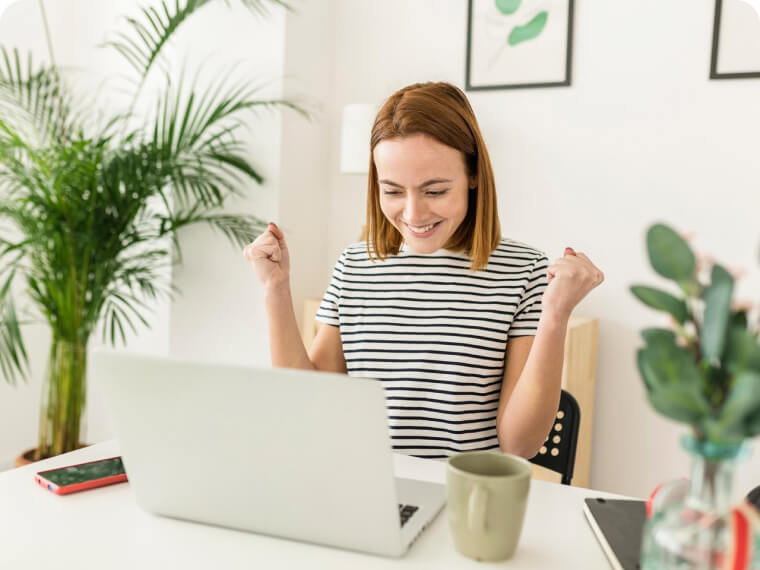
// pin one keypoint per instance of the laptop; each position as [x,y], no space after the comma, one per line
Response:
[291,453]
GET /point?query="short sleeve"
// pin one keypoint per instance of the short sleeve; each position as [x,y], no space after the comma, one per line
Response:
[528,311]
[328,308]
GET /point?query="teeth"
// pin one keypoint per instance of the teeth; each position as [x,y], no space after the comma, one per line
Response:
[420,230]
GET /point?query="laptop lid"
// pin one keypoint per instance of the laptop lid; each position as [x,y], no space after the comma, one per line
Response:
[299,454]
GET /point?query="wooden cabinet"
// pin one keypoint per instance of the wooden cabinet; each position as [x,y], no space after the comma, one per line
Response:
[578,378]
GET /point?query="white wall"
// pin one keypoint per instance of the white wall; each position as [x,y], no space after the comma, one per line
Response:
[220,315]
[216,317]
[641,135]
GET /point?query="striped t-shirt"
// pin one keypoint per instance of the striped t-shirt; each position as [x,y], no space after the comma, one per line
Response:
[435,334]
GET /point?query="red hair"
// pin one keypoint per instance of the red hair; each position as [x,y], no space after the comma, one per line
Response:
[441,111]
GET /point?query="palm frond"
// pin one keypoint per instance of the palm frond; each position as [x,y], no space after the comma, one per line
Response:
[13,358]
[142,46]
[239,229]
[195,133]
[36,95]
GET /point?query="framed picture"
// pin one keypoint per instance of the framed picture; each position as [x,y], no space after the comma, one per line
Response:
[736,40]
[513,44]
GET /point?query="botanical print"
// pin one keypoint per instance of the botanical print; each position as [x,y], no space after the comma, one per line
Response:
[515,43]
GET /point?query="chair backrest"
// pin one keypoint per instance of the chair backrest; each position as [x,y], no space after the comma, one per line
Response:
[558,451]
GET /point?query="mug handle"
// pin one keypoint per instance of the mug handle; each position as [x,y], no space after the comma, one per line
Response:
[476,509]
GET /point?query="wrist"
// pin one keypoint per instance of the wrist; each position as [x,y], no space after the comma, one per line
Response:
[277,289]
[553,320]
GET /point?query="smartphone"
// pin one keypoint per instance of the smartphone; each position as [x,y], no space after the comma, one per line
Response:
[65,480]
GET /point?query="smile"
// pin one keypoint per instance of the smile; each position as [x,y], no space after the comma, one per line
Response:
[422,231]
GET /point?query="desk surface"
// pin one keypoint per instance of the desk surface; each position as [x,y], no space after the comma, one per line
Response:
[104,528]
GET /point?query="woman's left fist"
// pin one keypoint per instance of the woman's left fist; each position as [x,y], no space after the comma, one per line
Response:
[570,279]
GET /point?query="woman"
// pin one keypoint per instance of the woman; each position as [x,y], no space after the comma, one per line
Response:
[464,328]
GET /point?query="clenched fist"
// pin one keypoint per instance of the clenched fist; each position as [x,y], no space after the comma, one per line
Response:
[570,278]
[268,255]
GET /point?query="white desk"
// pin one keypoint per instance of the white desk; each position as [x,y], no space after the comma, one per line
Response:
[104,528]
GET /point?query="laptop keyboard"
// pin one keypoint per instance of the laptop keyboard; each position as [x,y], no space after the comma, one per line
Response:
[406,512]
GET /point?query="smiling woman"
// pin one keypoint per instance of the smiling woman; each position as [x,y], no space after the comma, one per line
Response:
[464,328]
[427,214]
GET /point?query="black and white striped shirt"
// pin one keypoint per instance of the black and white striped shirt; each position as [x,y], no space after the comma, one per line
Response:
[435,334]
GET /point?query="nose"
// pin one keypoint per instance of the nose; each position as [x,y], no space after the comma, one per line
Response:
[415,211]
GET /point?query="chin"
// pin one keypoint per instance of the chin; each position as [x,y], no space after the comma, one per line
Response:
[423,247]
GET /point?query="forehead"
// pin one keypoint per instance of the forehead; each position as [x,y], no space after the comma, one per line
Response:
[417,156]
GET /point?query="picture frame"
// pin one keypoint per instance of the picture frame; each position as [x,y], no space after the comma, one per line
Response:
[518,44]
[736,40]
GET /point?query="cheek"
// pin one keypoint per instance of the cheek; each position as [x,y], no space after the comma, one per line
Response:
[387,209]
[456,208]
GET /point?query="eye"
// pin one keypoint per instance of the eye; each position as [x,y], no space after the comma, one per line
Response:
[391,192]
[436,192]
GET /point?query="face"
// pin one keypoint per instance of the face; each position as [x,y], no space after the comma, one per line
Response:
[423,189]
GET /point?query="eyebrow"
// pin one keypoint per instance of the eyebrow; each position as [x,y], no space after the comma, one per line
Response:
[420,187]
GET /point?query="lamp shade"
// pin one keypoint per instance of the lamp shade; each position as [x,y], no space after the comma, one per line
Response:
[356,130]
[755,4]
[5,4]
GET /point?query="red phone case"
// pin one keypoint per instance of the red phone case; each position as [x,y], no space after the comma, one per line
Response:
[66,489]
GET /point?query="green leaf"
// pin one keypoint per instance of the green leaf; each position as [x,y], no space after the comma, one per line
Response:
[752,424]
[656,336]
[679,404]
[661,301]
[669,254]
[738,319]
[37,95]
[742,402]
[663,363]
[529,31]
[13,357]
[154,29]
[508,6]
[742,351]
[717,312]
[673,381]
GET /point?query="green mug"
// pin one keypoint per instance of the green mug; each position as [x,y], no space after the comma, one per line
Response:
[487,494]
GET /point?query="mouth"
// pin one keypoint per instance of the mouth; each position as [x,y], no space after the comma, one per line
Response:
[422,231]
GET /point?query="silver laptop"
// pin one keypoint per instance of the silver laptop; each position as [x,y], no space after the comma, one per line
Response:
[291,453]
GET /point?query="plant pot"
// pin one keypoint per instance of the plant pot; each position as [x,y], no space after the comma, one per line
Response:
[27,456]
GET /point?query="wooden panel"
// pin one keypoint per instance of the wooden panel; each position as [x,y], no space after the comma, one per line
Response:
[578,378]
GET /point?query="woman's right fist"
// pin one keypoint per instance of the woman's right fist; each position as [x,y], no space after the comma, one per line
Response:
[268,255]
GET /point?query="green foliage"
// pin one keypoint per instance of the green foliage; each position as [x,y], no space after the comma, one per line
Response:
[91,213]
[662,301]
[706,372]
[669,254]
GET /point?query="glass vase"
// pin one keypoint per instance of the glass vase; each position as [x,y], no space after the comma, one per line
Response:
[695,532]
[63,398]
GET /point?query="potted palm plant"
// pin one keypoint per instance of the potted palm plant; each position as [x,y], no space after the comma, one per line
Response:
[90,210]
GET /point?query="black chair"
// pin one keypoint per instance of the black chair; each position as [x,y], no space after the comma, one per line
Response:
[558,451]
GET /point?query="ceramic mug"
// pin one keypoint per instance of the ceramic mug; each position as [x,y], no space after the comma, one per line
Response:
[487,494]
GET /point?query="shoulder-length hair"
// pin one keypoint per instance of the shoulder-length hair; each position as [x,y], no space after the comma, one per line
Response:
[441,111]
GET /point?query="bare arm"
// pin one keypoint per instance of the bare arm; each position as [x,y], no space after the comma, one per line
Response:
[286,346]
[533,371]
[530,388]
[270,258]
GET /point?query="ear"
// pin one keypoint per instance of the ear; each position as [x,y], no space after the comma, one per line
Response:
[472,182]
